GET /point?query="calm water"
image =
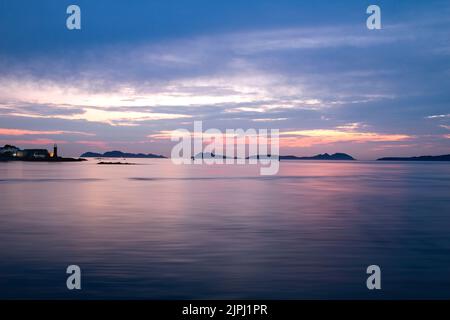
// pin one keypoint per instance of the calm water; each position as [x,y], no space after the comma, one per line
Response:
[157,230]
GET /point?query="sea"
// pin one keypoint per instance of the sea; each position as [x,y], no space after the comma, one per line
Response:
[156,230]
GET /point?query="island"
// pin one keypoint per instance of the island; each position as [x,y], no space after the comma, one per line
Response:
[116,163]
[120,154]
[324,156]
[445,157]
[205,155]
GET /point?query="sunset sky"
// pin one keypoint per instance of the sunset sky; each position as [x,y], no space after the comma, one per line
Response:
[139,69]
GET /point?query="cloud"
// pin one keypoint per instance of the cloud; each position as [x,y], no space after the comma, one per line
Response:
[37,142]
[22,132]
[351,126]
[226,69]
[268,119]
[180,92]
[307,138]
[124,118]
[113,116]
[331,79]
[438,116]
[306,39]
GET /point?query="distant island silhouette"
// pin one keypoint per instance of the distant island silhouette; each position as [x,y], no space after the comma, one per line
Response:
[120,154]
[324,156]
[13,153]
[116,163]
[445,157]
[205,155]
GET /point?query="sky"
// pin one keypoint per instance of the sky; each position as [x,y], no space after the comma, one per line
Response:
[137,70]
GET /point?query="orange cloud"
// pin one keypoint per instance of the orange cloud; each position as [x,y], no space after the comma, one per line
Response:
[307,138]
[36,142]
[21,132]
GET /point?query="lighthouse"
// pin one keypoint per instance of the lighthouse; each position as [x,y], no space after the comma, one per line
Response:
[55,151]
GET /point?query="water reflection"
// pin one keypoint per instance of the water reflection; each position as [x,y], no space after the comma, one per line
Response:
[162,231]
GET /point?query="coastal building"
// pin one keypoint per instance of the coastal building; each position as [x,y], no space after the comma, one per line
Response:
[33,154]
[11,153]
[9,150]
